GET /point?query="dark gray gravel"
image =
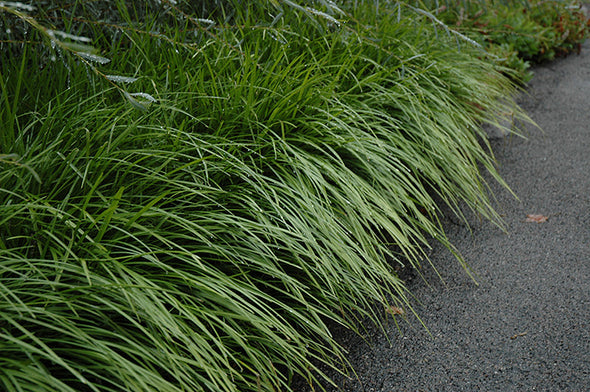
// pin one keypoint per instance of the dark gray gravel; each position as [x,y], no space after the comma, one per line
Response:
[526,326]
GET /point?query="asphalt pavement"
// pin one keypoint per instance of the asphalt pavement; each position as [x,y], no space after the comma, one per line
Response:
[526,325]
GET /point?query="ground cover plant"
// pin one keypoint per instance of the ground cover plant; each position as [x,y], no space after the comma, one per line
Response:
[519,32]
[190,193]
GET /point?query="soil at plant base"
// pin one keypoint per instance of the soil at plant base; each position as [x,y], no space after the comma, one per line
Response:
[526,326]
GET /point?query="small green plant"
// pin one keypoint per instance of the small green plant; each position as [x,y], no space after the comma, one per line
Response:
[518,32]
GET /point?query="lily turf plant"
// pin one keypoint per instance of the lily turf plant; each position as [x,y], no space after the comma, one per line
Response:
[189,195]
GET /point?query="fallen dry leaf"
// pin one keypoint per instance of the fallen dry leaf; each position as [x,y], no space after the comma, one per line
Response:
[394,310]
[536,218]
[518,335]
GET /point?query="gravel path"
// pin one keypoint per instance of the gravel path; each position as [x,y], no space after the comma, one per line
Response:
[526,326]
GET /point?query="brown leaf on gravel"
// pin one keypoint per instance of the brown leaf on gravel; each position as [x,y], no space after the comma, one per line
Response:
[394,310]
[536,218]
[518,335]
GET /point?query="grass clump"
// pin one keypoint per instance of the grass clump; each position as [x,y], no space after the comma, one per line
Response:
[187,208]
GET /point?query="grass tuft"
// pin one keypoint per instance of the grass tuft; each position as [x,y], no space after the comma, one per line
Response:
[285,161]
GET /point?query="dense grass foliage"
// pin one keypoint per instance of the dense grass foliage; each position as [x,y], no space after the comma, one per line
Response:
[189,196]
